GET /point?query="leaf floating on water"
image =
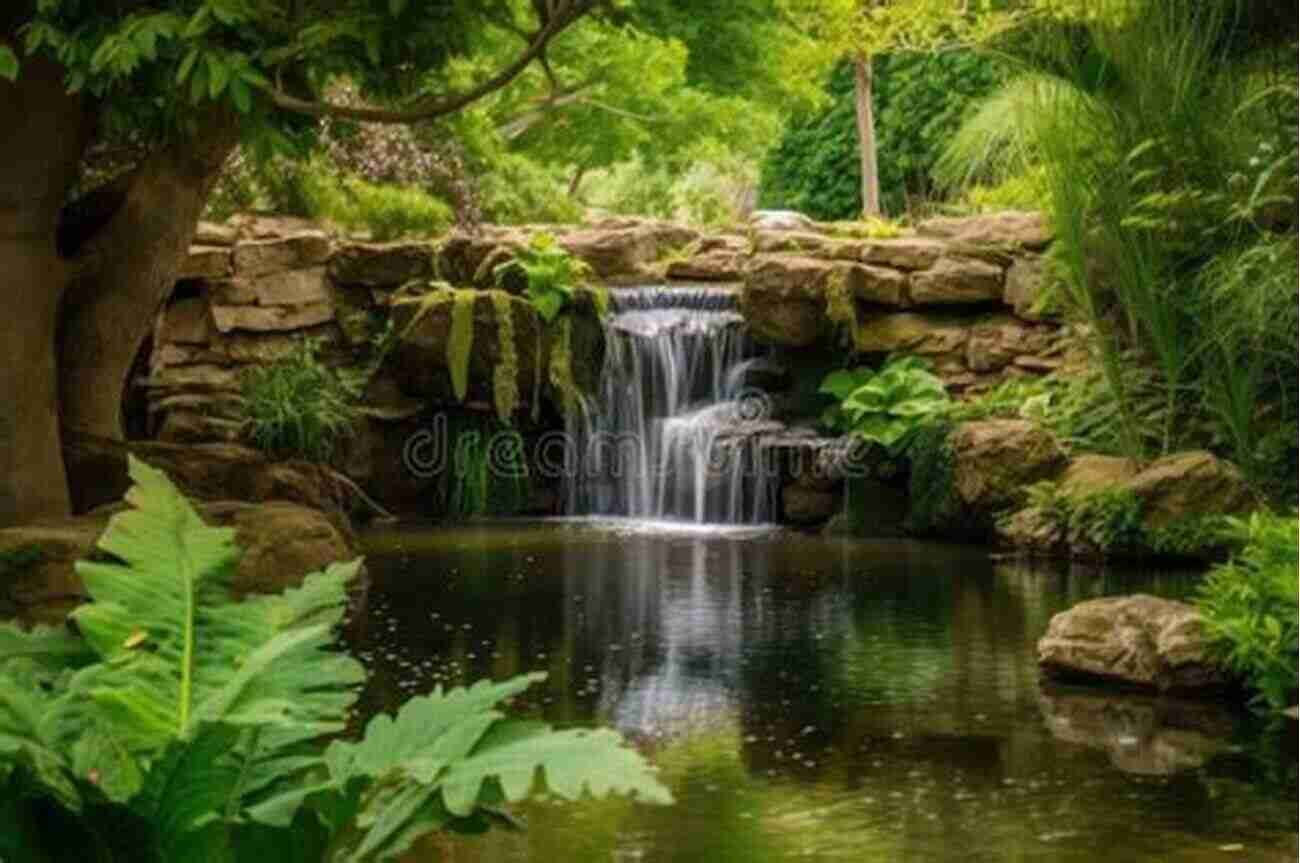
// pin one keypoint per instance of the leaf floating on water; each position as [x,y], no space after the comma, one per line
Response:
[1232,846]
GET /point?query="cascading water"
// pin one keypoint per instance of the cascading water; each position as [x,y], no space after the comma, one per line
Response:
[672,435]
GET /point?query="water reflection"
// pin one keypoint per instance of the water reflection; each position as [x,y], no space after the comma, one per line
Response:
[817,699]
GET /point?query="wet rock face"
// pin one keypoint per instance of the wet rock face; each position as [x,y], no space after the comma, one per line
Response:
[1138,640]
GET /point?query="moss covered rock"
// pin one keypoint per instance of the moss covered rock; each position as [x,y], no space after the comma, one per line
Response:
[995,461]
[489,350]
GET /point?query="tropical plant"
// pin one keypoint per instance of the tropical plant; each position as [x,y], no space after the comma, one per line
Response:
[887,406]
[1250,606]
[297,405]
[551,274]
[194,724]
[1175,234]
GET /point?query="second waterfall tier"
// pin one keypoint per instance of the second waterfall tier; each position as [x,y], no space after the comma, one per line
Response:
[673,432]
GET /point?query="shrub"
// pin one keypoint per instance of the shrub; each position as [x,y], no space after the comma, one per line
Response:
[175,723]
[551,273]
[386,212]
[1111,522]
[1250,607]
[887,406]
[297,406]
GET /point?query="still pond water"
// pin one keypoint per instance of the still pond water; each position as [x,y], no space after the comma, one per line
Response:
[818,699]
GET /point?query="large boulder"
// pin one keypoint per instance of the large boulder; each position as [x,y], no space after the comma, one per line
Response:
[995,461]
[1138,640]
[282,542]
[1189,484]
[97,474]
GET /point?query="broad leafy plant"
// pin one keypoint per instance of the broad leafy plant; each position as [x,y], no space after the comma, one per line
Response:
[1250,607]
[170,722]
[550,272]
[297,405]
[887,406]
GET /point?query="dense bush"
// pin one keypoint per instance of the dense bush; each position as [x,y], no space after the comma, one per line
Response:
[176,723]
[1250,605]
[919,102]
[297,406]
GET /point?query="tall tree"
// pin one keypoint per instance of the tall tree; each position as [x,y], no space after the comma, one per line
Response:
[863,30]
[181,82]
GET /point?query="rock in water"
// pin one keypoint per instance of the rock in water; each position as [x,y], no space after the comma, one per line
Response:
[1137,640]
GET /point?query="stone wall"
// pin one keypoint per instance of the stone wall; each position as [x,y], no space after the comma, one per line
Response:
[963,292]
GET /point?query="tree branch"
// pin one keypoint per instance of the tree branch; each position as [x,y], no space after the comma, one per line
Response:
[560,15]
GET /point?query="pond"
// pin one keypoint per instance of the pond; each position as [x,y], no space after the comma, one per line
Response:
[818,699]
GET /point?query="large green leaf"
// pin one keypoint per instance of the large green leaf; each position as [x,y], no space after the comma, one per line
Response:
[517,754]
[447,755]
[179,651]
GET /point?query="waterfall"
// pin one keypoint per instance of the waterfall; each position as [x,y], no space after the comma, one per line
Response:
[671,434]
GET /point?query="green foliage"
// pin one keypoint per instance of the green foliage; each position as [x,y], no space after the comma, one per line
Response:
[920,100]
[1250,607]
[460,340]
[505,374]
[386,212]
[888,406]
[488,473]
[1112,523]
[1166,142]
[932,501]
[297,406]
[551,273]
[190,721]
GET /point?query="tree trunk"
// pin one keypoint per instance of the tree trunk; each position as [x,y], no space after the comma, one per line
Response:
[575,182]
[132,264]
[45,132]
[862,97]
